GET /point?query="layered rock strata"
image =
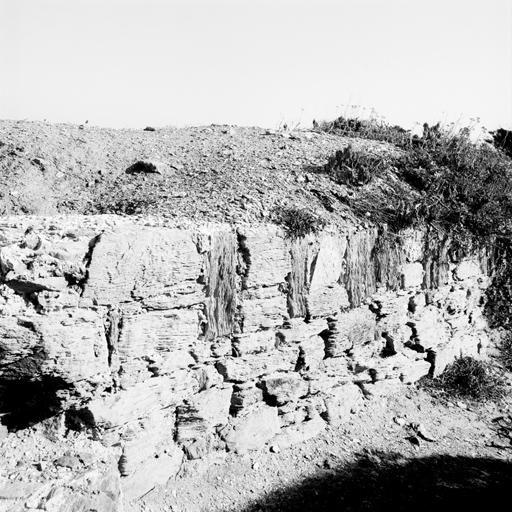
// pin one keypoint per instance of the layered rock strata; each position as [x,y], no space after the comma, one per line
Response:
[168,342]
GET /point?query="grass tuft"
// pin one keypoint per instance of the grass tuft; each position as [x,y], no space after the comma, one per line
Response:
[469,378]
[298,222]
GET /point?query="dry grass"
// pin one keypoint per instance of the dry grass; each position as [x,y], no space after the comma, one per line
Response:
[298,222]
[469,378]
[441,179]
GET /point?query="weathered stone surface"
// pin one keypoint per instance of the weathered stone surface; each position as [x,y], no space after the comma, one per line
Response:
[412,275]
[381,387]
[268,260]
[264,308]
[359,277]
[430,329]
[253,430]
[326,291]
[190,425]
[340,402]
[467,269]
[245,396]
[67,461]
[16,490]
[296,330]
[284,387]
[243,369]
[70,345]
[220,281]
[414,371]
[147,264]
[198,419]
[152,472]
[138,401]
[294,434]
[213,405]
[43,260]
[303,252]
[156,343]
[97,488]
[348,330]
[311,354]
[255,342]
[391,367]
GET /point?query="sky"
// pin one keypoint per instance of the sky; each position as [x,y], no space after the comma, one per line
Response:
[137,63]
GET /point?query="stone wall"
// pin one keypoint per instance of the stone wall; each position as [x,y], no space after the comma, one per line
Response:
[167,342]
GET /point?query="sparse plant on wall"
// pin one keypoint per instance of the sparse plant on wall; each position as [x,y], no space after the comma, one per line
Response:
[298,222]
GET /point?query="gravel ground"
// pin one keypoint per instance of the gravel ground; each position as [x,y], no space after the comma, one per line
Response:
[214,173]
[378,460]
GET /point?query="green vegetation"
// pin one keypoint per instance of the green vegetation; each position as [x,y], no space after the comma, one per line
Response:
[468,378]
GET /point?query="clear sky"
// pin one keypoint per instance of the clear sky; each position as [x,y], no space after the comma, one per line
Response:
[133,63]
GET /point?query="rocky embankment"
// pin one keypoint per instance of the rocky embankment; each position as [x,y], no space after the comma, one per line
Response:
[129,346]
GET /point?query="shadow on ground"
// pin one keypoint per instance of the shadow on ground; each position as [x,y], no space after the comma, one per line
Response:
[387,481]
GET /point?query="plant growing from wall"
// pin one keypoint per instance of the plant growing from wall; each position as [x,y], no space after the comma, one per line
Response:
[298,222]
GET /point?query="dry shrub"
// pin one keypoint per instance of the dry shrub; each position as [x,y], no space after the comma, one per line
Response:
[442,179]
[298,222]
[505,351]
[469,378]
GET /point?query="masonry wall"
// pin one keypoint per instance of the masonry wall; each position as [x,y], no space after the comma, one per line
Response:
[172,341]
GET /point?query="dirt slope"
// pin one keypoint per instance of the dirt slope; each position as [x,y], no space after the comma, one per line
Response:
[216,173]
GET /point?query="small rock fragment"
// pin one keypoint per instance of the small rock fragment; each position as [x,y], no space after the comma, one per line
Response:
[275,448]
[425,434]
[399,421]
[67,461]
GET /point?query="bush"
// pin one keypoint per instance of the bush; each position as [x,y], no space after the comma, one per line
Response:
[502,139]
[348,167]
[298,222]
[469,378]
[444,179]
[372,129]
[505,351]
